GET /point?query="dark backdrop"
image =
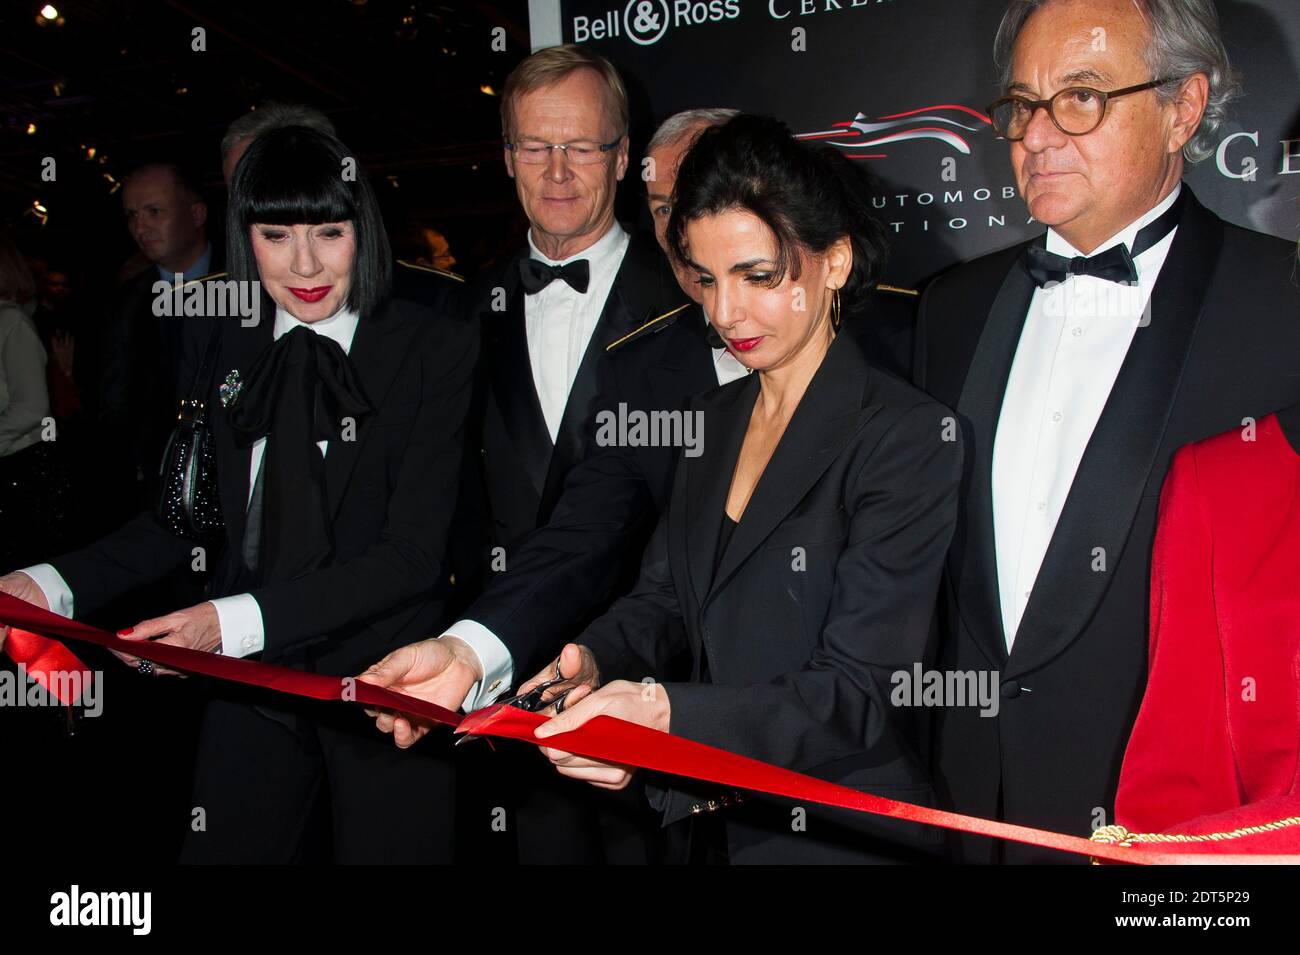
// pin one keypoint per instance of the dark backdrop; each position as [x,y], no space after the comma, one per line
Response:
[926,67]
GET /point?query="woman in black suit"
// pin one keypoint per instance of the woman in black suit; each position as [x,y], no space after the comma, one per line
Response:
[799,558]
[337,417]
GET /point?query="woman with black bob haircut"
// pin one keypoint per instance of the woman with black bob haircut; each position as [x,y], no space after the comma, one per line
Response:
[325,187]
[798,561]
[337,415]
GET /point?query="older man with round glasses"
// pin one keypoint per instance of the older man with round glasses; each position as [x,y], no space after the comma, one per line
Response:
[1078,362]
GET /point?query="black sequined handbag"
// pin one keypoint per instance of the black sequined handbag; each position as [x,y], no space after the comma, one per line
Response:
[189,504]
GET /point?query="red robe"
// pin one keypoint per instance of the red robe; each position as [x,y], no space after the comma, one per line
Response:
[1216,745]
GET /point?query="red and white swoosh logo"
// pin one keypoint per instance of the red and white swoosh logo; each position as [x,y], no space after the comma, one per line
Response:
[862,137]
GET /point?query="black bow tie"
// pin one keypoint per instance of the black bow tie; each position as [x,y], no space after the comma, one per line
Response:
[297,392]
[535,274]
[1113,265]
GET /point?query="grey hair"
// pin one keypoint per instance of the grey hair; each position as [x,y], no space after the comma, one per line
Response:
[273,115]
[1185,40]
[679,125]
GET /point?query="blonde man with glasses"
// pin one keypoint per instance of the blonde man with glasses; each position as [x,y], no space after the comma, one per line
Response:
[548,313]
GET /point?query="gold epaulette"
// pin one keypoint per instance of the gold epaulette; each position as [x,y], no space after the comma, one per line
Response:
[204,278]
[648,327]
[895,290]
[429,268]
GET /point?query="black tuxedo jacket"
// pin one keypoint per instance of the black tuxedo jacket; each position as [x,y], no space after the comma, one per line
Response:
[389,493]
[1223,344]
[566,572]
[514,471]
[824,591]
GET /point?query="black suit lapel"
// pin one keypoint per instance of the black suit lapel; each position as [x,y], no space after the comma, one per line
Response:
[511,376]
[973,556]
[1117,464]
[379,347]
[638,294]
[708,477]
[240,347]
[830,413]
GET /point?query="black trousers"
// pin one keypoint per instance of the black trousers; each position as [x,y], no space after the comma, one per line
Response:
[517,809]
[562,821]
[565,821]
[261,768]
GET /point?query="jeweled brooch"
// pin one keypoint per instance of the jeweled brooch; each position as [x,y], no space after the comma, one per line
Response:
[230,388]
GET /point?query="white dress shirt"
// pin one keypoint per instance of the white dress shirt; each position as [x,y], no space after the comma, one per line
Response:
[726,365]
[559,321]
[1073,343]
[240,617]
[494,658]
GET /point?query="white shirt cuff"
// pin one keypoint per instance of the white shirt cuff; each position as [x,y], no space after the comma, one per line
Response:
[58,596]
[495,662]
[240,617]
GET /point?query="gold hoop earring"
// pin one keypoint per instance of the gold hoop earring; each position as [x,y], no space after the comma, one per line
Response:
[835,309]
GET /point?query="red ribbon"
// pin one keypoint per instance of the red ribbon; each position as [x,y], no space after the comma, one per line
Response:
[602,737]
[19,613]
[50,664]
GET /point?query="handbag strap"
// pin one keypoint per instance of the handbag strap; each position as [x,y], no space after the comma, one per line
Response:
[209,358]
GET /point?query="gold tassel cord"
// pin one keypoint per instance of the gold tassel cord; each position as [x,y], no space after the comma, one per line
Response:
[1118,835]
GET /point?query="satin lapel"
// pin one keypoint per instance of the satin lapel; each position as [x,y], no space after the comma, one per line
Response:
[511,373]
[1116,466]
[570,445]
[637,295]
[240,348]
[830,413]
[378,349]
[973,555]
[708,477]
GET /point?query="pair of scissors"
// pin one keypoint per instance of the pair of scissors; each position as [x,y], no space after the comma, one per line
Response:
[532,701]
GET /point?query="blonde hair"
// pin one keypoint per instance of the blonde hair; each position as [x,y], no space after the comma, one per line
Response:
[550,66]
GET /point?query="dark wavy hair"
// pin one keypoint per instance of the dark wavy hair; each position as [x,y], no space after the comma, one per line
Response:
[295,175]
[809,196]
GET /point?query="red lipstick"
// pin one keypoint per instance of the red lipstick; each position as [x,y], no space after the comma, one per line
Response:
[312,294]
[744,344]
